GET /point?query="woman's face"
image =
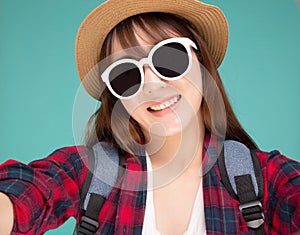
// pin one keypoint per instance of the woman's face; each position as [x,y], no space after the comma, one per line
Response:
[164,107]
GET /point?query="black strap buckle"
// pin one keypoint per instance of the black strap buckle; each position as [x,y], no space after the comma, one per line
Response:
[87,226]
[253,213]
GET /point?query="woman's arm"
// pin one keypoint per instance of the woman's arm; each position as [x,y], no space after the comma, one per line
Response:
[46,192]
[284,190]
[6,215]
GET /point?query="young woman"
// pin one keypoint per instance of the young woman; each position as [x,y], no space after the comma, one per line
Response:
[153,65]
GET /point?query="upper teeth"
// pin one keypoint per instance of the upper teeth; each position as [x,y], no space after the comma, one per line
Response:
[165,105]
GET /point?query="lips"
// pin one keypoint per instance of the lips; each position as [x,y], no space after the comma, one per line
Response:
[164,105]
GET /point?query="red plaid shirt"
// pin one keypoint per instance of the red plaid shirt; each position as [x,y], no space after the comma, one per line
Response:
[45,193]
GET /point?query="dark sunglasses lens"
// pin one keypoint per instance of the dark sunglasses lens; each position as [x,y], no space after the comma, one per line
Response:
[171,60]
[125,79]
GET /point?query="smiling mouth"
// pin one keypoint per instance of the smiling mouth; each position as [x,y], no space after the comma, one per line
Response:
[165,105]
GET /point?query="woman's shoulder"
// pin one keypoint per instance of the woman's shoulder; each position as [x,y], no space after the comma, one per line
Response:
[80,150]
[70,155]
[282,191]
[281,171]
[276,161]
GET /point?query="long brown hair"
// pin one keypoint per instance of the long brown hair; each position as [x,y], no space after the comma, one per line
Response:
[158,26]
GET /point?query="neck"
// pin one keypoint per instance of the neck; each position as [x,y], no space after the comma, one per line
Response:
[172,155]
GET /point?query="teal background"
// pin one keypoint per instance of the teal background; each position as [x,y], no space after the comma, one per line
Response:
[39,82]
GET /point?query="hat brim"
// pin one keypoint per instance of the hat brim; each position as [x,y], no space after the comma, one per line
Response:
[208,19]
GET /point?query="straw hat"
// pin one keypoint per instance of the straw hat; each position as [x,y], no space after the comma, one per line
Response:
[209,20]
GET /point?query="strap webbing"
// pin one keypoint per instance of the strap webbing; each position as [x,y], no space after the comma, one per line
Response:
[245,189]
[94,206]
[121,169]
[88,178]
[250,206]
[88,224]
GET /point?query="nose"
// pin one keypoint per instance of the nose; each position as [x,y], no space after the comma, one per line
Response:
[152,81]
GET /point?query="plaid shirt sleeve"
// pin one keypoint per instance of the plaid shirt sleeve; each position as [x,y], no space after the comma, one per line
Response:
[283,185]
[46,192]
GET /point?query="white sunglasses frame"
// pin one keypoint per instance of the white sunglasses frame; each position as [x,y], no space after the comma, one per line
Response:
[186,42]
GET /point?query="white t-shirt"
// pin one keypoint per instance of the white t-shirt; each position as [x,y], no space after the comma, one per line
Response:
[197,221]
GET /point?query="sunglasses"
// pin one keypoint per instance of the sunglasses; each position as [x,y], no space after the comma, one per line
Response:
[170,60]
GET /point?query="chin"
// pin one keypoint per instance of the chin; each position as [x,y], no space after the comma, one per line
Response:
[166,129]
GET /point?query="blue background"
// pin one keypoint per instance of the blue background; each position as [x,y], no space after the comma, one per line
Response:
[39,81]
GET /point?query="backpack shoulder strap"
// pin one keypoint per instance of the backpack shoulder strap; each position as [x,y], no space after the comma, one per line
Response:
[105,168]
[242,177]
[89,176]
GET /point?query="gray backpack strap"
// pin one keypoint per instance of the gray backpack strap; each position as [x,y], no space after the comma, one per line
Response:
[106,169]
[242,177]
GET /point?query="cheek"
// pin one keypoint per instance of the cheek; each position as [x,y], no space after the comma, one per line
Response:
[191,87]
[195,83]
[130,105]
[194,76]
[192,97]
[134,109]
